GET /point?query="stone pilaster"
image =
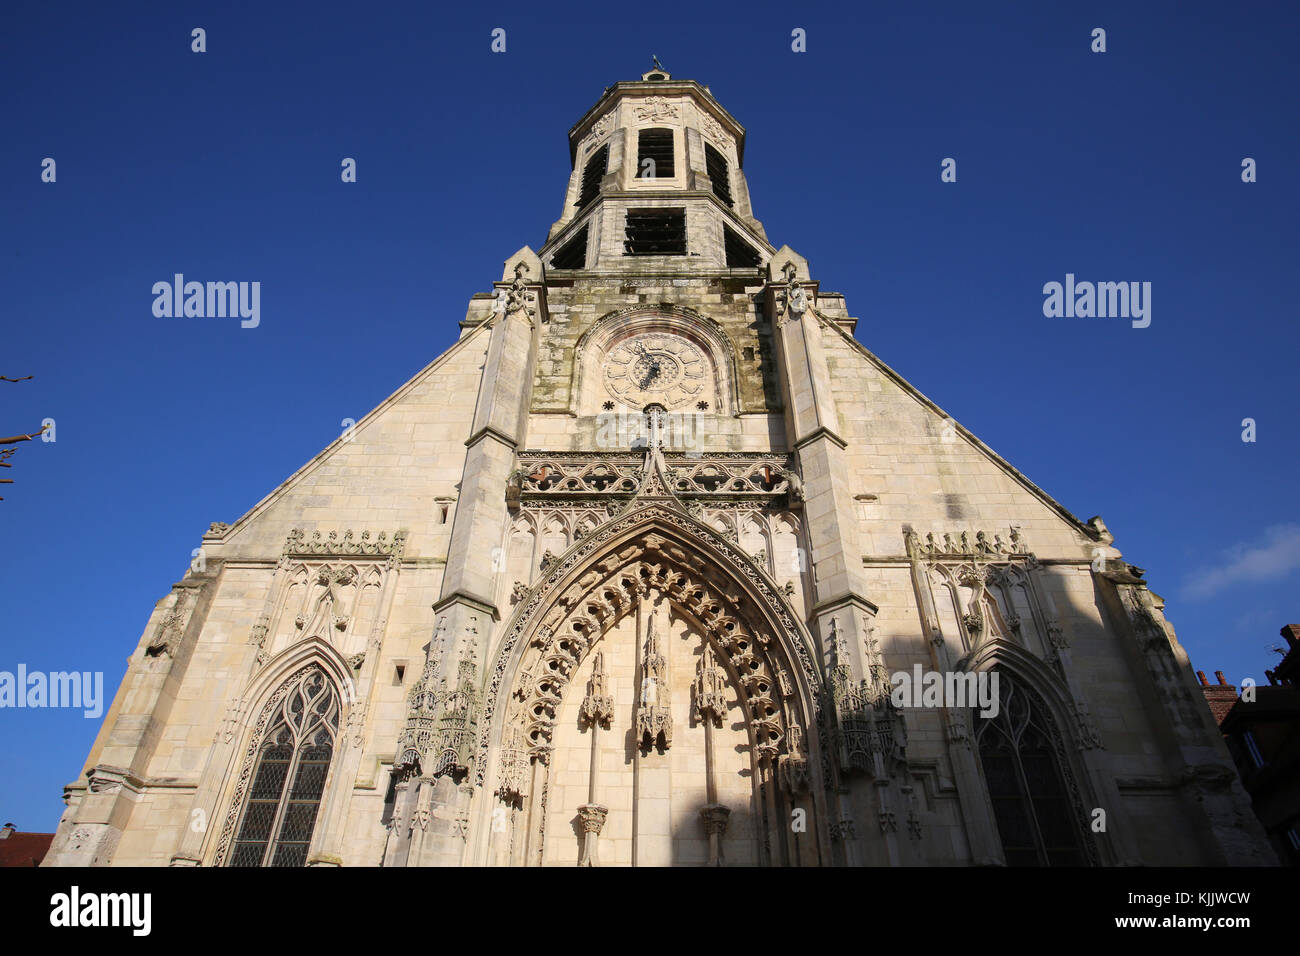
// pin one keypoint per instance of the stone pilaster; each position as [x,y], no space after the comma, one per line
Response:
[812,426]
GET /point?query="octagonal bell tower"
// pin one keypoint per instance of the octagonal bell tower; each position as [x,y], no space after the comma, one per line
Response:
[657,182]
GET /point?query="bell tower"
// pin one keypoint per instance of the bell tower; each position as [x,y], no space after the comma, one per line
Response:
[657,182]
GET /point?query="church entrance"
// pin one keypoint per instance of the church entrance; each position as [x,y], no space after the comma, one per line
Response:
[655,720]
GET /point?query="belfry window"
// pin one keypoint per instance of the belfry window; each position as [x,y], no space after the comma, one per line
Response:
[740,254]
[573,254]
[715,164]
[592,174]
[288,780]
[654,154]
[1026,782]
[655,232]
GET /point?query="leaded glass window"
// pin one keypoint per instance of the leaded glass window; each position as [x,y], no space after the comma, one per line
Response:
[289,777]
[1027,785]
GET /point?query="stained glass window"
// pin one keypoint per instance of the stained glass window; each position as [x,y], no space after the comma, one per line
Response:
[289,779]
[1026,783]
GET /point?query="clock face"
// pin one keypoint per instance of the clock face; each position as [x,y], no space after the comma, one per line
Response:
[657,367]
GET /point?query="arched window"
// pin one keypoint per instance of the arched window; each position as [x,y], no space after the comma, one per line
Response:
[1035,817]
[289,777]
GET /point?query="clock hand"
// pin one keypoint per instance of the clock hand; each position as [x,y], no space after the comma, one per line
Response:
[652,373]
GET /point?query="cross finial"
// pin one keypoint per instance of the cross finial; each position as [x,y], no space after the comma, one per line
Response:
[655,60]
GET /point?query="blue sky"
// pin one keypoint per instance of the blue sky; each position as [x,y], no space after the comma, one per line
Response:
[225,165]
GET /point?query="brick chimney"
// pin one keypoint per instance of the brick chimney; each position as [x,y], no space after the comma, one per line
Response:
[6,830]
[1220,696]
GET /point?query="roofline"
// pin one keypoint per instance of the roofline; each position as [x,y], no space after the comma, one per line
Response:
[320,457]
[1083,527]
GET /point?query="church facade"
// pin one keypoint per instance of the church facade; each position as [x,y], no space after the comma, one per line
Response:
[638,573]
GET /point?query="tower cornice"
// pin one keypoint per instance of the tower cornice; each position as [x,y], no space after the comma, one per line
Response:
[632,89]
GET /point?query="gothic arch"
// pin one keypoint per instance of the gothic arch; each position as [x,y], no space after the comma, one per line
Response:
[257,708]
[1042,684]
[707,579]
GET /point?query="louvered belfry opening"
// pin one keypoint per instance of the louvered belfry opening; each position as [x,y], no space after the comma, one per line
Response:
[657,146]
[655,232]
[573,254]
[740,254]
[715,164]
[592,174]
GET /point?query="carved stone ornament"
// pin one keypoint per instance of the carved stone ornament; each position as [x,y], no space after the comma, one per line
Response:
[712,129]
[168,635]
[591,818]
[656,108]
[654,720]
[598,705]
[710,689]
[965,545]
[519,298]
[599,129]
[299,545]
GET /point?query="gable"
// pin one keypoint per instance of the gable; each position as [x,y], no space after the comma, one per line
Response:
[926,470]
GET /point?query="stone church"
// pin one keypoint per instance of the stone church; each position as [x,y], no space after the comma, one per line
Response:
[625,576]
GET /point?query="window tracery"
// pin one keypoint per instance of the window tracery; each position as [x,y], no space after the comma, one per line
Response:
[288,782]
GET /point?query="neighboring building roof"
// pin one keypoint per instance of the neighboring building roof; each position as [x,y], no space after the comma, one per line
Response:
[1288,671]
[24,849]
[1220,696]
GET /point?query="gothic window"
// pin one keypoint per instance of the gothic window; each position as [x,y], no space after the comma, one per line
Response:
[592,174]
[1026,783]
[715,164]
[654,154]
[289,777]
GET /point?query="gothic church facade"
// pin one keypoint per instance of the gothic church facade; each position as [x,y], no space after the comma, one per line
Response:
[622,578]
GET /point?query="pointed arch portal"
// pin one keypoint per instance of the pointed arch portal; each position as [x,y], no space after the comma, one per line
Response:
[654,702]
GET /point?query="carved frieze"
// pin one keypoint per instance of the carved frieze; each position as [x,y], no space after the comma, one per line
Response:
[656,108]
[963,544]
[299,544]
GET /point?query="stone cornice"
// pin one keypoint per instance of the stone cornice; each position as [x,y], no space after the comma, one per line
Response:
[639,88]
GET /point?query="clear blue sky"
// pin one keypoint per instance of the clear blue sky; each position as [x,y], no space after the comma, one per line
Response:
[1117,166]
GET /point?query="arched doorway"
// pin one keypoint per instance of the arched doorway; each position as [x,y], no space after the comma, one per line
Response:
[657,707]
